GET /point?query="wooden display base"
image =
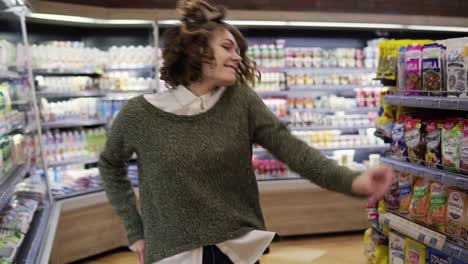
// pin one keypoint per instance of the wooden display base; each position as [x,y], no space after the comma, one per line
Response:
[89,226]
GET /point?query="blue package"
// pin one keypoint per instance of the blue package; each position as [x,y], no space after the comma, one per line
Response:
[437,257]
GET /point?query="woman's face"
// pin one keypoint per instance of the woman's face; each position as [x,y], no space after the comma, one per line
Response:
[223,70]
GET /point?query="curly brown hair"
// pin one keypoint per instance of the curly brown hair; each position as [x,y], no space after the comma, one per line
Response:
[187,46]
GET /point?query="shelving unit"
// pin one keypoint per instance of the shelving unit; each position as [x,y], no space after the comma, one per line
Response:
[86,93]
[72,162]
[446,103]
[356,110]
[9,182]
[74,123]
[68,73]
[330,70]
[321,128]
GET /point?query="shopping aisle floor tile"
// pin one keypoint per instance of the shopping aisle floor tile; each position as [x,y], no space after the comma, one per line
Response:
[329,249]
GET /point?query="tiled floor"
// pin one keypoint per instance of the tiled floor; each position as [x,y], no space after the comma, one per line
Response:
[329,249]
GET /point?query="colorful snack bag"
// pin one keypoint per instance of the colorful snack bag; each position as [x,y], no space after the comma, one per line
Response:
[464,148]
[413,69]
[457,214]
[386,115]
[397,248]
[436,217]
[432,68]
[451,143]
[375,248]
[433,129]
[392,198]
[414,140]
[398,141]
[415,252]
[392,60]
[420,201]
[405,185]
[456,71]
[401,77]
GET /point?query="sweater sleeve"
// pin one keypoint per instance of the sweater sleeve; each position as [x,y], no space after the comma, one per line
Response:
[113,169]
[308,162]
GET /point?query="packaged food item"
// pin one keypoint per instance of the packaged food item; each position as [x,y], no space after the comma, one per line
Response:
[433,136]
[392,60]
[382,65]
[464,148]
[456,70]
[432,68]
[457,214]
[451,143]
[375,248]
[419,206]
[397,248]
[436,217]
[405,184]
[415,252]
[398,141]
[414,140]
[386,115]
[437,257]
[413,69]
[401,77]
[392,198]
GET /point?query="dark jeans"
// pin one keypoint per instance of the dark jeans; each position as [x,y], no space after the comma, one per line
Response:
[212,255]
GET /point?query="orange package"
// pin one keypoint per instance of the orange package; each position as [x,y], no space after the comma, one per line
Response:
[419,206]
[405,185]
[436,217]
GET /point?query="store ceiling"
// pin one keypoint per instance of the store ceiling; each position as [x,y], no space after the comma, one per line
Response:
[401,7]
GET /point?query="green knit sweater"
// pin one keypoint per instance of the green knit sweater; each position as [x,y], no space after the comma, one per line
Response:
[196,181]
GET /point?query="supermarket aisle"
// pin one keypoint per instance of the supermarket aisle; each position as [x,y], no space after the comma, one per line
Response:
[330,249]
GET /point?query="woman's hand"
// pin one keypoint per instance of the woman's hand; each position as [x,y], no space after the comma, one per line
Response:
[139,248]
[374,183]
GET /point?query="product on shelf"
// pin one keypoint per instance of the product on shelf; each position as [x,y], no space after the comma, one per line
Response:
[451,143]
[414,140]
[311,79]
[457,81]
[397,246]
[398,146]
[386,116]
[334,139]
[268,55]
[419,206]
[367,97]
[330,102]
[415,252]
[436,216]
[405,185]
[316,57]
[65,84]
[74,110]
[338,120]
[433,156]
[432,68]
[278,106]
[392,198]
[125,81]
[457,213]
[131,56]
[413,68]
[375,247]
[7,55]
[464,148]
[271,82]
[268,168]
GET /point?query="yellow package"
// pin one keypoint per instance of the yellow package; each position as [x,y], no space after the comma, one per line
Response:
[415,252]
[386,115]
[375,248]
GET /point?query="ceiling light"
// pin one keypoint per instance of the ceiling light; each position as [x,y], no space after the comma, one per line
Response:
[87,20]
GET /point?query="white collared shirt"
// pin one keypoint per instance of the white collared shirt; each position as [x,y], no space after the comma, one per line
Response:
[246,249]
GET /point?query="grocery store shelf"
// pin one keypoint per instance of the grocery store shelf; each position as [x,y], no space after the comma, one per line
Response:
[272,94]
[355,110]
[85,93]
[428,102]
[9,130]
[320,128]
[71,162]
[65,72]
[359,148]
[135,68]
[31,248]
[326,88]
[73,123]
[110,92]
[76,194]
[8,75]
[9,181]
[424,235]
[283,178]
[451,179]
[330,70]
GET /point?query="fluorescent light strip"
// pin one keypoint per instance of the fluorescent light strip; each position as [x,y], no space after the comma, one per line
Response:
[87,20]
[437,28]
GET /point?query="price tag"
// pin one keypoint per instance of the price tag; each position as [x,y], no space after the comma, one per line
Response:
[421,237]
[462,183]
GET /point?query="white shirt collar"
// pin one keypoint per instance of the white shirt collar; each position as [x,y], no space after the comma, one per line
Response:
[186,97]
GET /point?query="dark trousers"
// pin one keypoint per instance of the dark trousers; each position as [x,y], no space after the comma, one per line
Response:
[212,255]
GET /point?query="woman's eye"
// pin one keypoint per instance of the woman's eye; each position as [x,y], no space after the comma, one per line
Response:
[226,47]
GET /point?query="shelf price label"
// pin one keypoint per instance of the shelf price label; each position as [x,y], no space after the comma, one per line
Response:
[462,183]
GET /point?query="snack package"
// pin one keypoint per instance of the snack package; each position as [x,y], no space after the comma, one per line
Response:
[413,69]
[414,140]
[432,68]
[396,248]
[392,198]
[401,77]
[415,252]
[437,257]
[405,185]
[391,60]
[398,141]
[451,143]
[386,115]
[433,129]
[375,248]
[419,206]
[457,213]
[464,148]
[436,217]
[456,70]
